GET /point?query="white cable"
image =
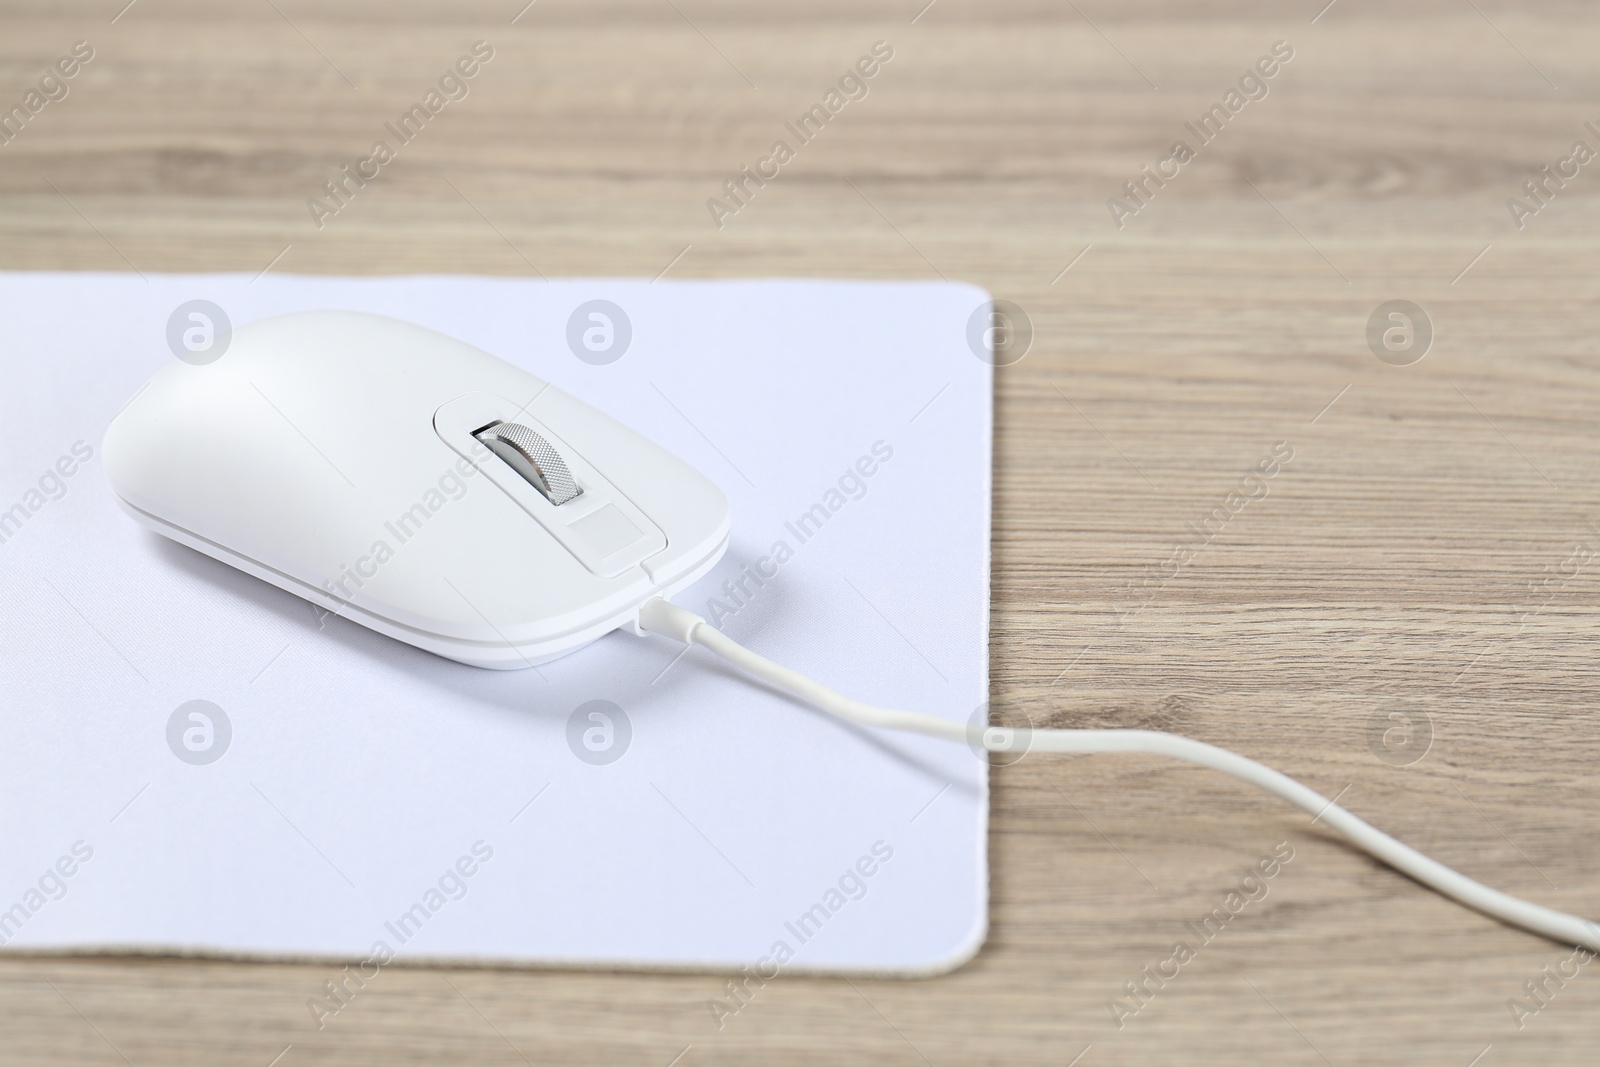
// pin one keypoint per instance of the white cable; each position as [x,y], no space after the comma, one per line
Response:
[661,617]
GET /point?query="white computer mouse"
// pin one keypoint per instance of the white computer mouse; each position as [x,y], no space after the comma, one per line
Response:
[416,485]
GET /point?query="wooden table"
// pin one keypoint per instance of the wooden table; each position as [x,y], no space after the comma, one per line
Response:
[1429,550]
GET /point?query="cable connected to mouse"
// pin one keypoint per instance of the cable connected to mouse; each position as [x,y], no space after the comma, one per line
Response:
[567,551]
[659,616]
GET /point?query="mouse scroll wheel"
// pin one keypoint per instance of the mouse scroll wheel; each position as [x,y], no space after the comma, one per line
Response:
[531,456]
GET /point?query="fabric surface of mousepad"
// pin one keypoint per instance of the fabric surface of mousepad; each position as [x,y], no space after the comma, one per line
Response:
[197,762]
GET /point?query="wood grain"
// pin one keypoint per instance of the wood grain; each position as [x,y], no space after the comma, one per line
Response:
[1389,564]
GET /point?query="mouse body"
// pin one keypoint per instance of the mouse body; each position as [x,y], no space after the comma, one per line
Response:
[416,485]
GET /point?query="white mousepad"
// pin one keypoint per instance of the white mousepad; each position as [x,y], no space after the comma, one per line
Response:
[197,762]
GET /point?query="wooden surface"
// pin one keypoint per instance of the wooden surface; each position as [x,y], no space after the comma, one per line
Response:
[1388,566]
